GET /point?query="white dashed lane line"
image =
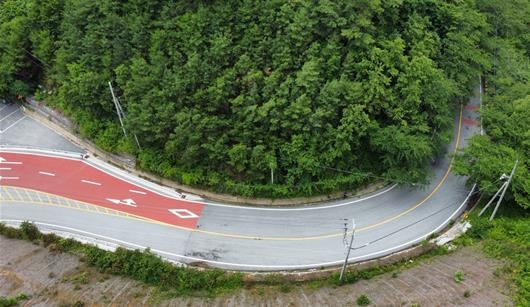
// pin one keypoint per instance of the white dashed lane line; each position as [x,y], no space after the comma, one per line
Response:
[8,162]
[90,182]
[137,192]
[46,173]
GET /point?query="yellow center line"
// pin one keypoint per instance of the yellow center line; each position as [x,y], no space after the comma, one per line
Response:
[444,178]
[338,234]
[112,212]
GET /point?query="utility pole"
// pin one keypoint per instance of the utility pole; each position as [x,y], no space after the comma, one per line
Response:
[121,115]
[481,91]
[119,110]
[349,250]
[502,191]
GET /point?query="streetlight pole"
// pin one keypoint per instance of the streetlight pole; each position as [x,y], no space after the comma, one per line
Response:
[349,250]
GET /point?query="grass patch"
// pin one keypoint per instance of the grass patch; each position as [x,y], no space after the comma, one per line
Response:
[12,301]
[459,276]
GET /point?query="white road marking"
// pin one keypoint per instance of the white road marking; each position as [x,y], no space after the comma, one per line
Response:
[1,119]
[137,192]
[136,181]
[9,178]
[390,188]
[173,256]
[46,173]
[126,202]
[5,168]
[13,124]
[183,213]
[60,154]
[91,182]
[115,201]
[4,161]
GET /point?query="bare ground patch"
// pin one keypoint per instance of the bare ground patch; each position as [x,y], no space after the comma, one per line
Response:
[57,279]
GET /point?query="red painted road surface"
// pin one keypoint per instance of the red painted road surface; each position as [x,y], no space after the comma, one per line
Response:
[469,122]
[471,107]
[75,179]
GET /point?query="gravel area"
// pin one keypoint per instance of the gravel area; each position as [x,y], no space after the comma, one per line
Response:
[50,278]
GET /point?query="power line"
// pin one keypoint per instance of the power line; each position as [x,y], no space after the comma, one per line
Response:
[403,228]
[31,58]
[365,175]
[501,190]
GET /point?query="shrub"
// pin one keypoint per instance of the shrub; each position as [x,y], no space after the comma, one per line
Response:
[29,231]
[7,301]
[49,238]
[363,300]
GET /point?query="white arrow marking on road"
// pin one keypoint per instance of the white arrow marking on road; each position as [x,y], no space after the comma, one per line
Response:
[183,213]
[4,161]
[112,200]
[126,202]
[46,173]
[9,178]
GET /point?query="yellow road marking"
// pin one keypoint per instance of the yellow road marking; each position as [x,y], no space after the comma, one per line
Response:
[6,192]
[37,195]
[113,212]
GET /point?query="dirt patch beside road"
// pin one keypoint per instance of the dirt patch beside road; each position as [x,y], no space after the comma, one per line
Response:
[51,279]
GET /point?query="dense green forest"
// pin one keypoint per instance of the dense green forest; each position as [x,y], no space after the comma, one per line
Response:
[277,98]
[506,105]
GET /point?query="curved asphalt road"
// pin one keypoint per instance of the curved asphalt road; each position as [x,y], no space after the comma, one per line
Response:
[233,237]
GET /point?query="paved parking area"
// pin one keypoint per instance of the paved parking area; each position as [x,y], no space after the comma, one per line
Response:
[10,116]
[18,129]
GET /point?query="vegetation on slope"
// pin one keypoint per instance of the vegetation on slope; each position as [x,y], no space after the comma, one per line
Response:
[506,107]
[227,94]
